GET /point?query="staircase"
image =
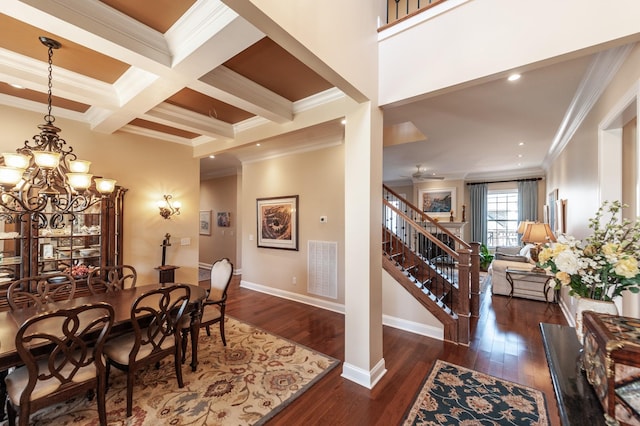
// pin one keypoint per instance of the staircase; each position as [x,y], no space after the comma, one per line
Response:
[440,270]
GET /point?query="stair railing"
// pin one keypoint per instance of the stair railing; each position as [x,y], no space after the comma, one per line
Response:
[453,258]
[402,9]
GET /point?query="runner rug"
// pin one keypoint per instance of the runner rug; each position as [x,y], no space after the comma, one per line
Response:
[248,382]
[453,395]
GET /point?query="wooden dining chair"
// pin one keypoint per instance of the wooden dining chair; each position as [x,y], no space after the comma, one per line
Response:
[111,278]
[62,355]
[213,307]
[40,290]
[155,316]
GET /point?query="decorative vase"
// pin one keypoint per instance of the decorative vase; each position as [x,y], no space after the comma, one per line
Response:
[586,304]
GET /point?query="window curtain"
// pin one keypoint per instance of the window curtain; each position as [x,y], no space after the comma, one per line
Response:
[528,200]
[478,198]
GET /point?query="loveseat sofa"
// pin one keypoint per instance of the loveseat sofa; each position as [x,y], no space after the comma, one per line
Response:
[513,258]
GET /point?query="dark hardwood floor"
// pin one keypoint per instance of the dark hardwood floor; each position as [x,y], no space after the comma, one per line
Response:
[506,342]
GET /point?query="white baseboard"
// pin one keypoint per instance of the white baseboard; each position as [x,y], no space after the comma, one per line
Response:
[307,300]
[365,378]
[414,327]
[395,322]
[567,313]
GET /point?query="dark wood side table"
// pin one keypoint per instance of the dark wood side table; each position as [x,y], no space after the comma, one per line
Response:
[539,281]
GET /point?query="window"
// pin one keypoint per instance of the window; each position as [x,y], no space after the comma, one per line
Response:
[502,217]
[394,222]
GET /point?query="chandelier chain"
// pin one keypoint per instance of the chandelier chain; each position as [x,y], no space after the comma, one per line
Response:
[49,118]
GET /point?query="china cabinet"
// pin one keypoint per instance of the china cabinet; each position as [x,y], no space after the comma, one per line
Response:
[40,244]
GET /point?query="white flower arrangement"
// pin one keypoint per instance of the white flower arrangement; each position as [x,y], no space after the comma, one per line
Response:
[606,266]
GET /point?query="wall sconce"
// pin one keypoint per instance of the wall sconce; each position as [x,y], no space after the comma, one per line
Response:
[167,208]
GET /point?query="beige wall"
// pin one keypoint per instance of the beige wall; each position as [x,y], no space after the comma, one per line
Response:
[148,168]
[575,171]
[317,177]
[537,33]
[219,195]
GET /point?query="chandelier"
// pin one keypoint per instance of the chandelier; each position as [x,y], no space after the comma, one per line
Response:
[44,179]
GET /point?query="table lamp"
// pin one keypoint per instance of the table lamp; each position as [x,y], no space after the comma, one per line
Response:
[537,233]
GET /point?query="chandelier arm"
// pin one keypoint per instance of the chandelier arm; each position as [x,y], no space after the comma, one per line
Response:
[12,203]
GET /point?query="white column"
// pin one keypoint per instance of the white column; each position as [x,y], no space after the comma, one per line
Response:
[364,363]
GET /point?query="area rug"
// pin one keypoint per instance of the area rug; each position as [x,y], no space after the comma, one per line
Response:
[454,395]
[247,383]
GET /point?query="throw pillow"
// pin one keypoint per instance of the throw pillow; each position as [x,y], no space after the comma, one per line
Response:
[526,250]
[511,257]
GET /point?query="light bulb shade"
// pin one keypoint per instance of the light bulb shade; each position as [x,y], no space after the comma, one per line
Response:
[79,166]
[105,186]
[79,180]
[538,233]
[177,205]
[18,161]
[523,226]
[10,176]
[46,159]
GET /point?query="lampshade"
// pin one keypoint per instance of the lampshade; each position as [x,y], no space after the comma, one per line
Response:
[46,159]
[538,233]
[522,226]
[79,166]
[19,161]
[10,176]
[79,180]
[105,186]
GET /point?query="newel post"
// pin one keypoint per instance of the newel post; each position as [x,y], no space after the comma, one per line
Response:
[463,310]
[475,279]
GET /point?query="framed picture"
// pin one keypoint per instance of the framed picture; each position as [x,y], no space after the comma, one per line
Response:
[552,197]
[278,222]
[205,222]
[438,202]
[224,219]
[561,217]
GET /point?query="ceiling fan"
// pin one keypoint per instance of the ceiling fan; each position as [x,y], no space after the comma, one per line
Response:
[421,174]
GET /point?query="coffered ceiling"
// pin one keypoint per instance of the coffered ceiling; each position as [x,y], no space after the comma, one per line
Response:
[185,71]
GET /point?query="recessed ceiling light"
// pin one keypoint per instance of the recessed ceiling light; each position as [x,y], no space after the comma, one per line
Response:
[344,121]
[519,155]
[514,77]
[257,144]
[16,86]
[212,156]
[520,143]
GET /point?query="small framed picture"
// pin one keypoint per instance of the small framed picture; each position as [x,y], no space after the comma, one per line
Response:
[224,219]
[205,222]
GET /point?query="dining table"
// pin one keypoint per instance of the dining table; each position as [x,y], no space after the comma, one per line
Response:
[121,301]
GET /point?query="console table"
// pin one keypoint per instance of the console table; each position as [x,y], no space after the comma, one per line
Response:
[531,283]
[578,403]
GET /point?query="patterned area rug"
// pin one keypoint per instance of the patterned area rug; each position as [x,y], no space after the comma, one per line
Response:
[246,383]
[454,395]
